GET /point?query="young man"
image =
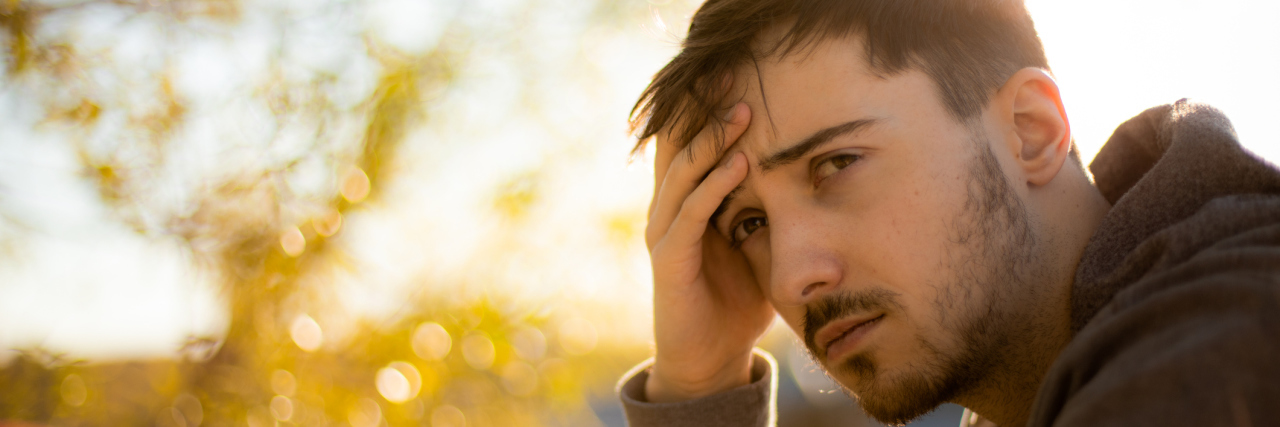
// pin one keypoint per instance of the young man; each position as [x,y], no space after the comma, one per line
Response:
[897,180]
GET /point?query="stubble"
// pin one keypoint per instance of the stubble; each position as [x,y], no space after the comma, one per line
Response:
[994,255]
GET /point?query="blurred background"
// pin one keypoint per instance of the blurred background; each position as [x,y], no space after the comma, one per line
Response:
[409,212]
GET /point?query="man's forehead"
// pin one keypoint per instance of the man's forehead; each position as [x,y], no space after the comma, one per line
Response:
[797,94]
[747,89]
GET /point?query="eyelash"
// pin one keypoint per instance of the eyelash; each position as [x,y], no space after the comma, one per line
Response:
[851,158]
[735,242]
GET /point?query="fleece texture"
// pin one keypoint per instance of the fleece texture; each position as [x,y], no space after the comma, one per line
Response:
[1176,302]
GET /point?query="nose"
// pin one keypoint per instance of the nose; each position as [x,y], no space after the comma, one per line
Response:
[804,261]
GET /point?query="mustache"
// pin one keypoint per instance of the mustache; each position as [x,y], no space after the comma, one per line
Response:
[837,305]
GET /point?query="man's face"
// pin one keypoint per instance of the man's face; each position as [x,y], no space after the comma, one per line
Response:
[882,230]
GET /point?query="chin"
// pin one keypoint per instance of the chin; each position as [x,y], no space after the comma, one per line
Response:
[892,398]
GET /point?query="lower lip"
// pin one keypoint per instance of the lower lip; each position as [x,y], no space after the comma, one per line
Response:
[850,341]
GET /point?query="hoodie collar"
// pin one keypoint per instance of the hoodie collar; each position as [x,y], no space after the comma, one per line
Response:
[1157,169]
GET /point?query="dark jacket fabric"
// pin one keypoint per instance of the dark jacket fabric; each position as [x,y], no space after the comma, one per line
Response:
[1175,303]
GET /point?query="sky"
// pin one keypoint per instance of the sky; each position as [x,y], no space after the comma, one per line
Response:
[85,285]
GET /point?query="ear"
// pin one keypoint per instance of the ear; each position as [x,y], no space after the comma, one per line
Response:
[1037,130]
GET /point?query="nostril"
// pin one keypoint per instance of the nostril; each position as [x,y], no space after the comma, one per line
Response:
[809,289]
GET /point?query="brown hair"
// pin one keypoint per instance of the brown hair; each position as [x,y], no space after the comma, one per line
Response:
[967,47]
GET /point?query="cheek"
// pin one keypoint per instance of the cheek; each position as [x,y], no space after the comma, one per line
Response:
[794,316]
[905,244]
[908,244]
[758,257]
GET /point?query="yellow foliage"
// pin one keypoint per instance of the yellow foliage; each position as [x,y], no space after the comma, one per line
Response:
[517,196]
[283,358]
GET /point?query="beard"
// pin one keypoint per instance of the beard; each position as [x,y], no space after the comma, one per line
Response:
[985,305]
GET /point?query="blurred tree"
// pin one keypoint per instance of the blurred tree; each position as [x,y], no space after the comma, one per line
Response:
[255,175]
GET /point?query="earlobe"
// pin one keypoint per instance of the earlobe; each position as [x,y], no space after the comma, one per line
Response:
[1039,123]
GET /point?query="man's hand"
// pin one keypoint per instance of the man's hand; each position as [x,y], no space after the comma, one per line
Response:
[708,310]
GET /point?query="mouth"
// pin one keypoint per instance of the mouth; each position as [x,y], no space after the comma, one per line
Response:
[842,336]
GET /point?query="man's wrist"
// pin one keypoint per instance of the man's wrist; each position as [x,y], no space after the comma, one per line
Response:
[661,389]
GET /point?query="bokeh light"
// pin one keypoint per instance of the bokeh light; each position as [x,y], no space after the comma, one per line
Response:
[306,333]
[399,382]
[293,242]
[577,336]
[407,212]
[355,185]
[448,416]
[281,408]
[478,350]
[189,409]
[328,224]
[365,413]
[283,382]
[259,416]
[529,343]
[73,390]
[519,378]
[430,341]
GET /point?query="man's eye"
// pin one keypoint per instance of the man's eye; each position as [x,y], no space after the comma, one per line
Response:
[832,165]
[748,226]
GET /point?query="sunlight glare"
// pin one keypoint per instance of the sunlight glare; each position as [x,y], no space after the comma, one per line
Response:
[412,26]
[1113,60]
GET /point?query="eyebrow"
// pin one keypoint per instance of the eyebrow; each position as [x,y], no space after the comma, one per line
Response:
[795,152]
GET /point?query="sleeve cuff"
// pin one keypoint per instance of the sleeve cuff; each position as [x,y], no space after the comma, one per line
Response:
[748,405]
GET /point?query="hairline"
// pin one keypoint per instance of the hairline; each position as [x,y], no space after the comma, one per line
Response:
[790,45]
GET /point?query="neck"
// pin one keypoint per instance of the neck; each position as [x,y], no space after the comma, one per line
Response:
[1072,209]
[1006,396]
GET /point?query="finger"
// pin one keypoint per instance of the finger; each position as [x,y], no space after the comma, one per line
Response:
[664,152]
[689,166]
[709,145]
[667,149]
[695,213]
[684,172]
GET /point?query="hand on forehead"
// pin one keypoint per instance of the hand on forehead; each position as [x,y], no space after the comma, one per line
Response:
[709,141]
[792,97]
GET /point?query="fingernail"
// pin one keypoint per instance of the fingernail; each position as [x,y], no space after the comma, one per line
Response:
[728,164]
[733,111]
